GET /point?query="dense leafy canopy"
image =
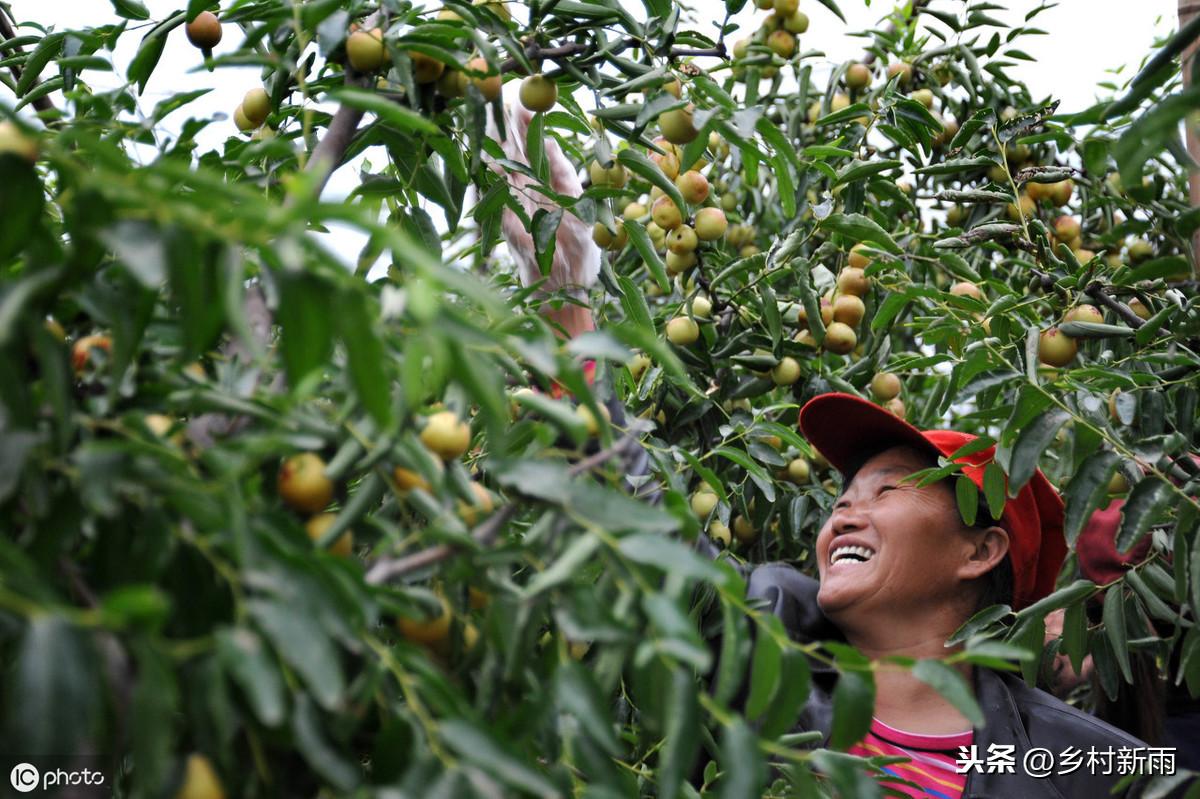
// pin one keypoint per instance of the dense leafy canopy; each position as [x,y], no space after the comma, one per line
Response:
[486,610]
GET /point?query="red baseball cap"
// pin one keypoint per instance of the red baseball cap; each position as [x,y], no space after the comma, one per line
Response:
[849,430]
[1096,548]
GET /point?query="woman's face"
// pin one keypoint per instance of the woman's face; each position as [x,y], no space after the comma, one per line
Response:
[891,550]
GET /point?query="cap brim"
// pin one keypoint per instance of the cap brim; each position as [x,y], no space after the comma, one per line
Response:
[849,430]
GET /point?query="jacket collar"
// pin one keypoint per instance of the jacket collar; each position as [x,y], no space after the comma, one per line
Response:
[1003,728]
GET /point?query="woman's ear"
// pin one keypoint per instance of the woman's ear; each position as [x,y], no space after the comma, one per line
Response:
[987,548]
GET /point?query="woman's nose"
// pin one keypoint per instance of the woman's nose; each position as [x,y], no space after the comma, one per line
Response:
[846,518]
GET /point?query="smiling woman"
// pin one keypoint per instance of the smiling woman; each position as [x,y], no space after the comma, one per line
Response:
[900,571]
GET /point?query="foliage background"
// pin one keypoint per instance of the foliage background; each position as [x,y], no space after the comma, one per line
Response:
[160,600]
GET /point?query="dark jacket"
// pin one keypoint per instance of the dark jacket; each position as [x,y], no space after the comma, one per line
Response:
[1015,714]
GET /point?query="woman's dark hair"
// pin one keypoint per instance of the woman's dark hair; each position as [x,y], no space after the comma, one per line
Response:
[998,583]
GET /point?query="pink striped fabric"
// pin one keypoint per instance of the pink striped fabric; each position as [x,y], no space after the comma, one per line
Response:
[932,760]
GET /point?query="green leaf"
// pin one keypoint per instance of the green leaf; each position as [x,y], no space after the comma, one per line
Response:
[852,111]
[51,690]
[196,6]
[154,716]
[681,738]
[1074,642]
[309,731]
[853,704]
[1168,266]
[388,111]
[967,496]
[833,7]
[1114,628]
[1147,501]
[743,771]
[735,649]
[764,674]
[1154,605]
[640,240]
[1152,133]
[47,50]
[366,356]
[1087,491]
[949,682]
[150,51]
[858,170]
[578,696]
[21,204]
[860,228]
[993,489]
[130,9]
[475,746]
[1064,596]
[303,314]
[646,169]
[1031,443]
[301,642]
[957,165]
[545,234]
[652,549]
[247,660]
[793,690]
[573,559]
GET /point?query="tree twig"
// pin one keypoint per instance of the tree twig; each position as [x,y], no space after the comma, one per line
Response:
[718,51]
[389,568]
[1097,293]
[538,53]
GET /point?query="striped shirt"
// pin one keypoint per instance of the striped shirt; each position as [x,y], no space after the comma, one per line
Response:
[932,760]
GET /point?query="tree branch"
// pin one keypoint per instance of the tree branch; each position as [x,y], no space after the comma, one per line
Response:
[325,159]
[388,568]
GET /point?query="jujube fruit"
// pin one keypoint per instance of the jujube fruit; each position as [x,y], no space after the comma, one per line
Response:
[711,224]
[426,69]
[365,50]
[885,386]
[693,186]
[256,105]
[489,86]
[538,93]
[200,780]
[682,331]
[302,483]
[204,31]
[677,126]
[13,140]
[1055,348]
[316,527]
[1084,313]
[445,435]
[840,338]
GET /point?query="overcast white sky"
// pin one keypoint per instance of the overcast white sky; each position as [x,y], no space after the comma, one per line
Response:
[1088,38]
